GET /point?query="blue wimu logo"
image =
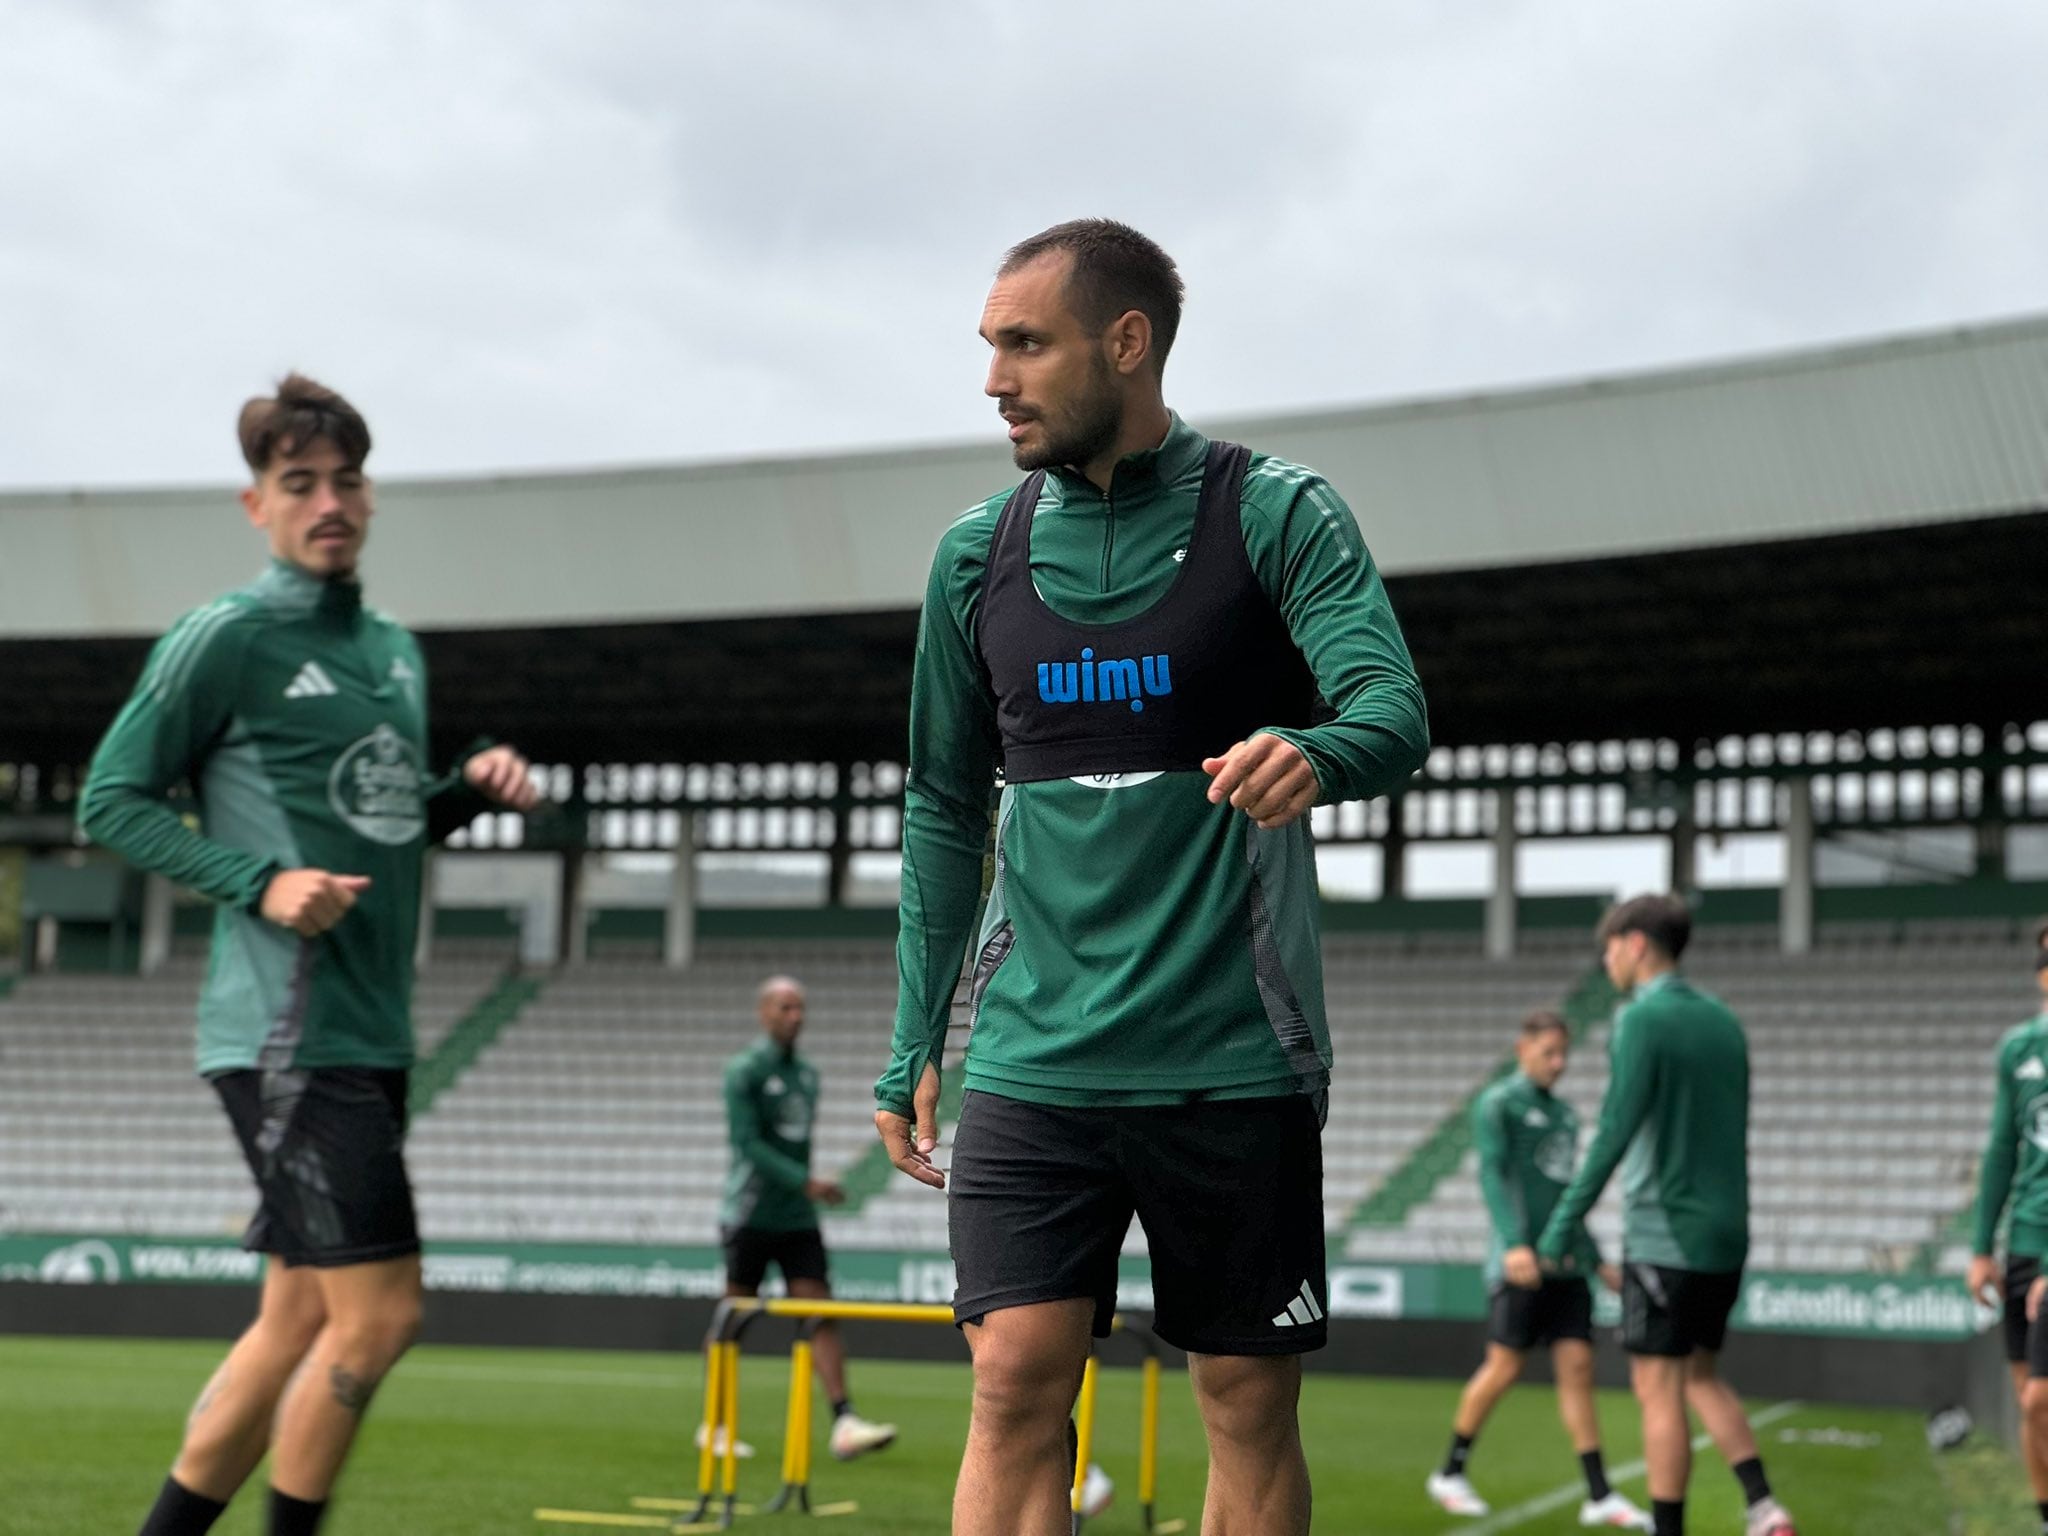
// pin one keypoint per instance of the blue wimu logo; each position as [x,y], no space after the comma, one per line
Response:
[1089,681]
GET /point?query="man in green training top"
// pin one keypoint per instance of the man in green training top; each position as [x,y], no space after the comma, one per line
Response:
[299,718]
[1528,1143]
[1677,1106]
[2016,1171]
[1137,635]
[770,1215]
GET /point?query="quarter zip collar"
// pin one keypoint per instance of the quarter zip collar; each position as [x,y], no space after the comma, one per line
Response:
[297,590]
[1658,983]
[1139,475]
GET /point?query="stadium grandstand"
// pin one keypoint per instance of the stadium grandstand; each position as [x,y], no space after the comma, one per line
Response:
[1778,610]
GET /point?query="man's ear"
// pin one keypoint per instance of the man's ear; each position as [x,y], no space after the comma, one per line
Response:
[1130,342]
[252,504]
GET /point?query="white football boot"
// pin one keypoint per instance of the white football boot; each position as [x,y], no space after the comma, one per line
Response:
[1454,1496]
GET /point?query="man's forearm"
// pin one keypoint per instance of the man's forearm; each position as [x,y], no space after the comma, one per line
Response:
[151,836]
[943,842]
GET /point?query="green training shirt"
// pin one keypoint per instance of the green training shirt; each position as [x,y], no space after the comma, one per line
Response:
[771,1100]
[1678,1106]
[1117,952]
[2016,1153]
[299,718]
[1528,1141]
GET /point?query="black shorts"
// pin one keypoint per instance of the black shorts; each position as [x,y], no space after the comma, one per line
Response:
[749,1251]
[2024,1341]
[1523,1320]
[1675,1312]
[327,1146]
[1230,1194]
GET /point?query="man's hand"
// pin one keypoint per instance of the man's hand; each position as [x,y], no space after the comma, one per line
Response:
[914,1154]
[1986,1280]
[500,774]
[1521,1268]
[824,1191]
[310,901]
[1610,1276]
[2034,1294]
[1266,778]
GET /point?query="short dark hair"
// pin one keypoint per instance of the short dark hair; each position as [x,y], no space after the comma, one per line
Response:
[1542,1022]
[1663,920]
[1116,269]
[301,412]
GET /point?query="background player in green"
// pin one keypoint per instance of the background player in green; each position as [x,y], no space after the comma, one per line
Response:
[1677,1107]
[299,717]
[1528,1143]
[2015,1172]
[1137,634]
[770,1213]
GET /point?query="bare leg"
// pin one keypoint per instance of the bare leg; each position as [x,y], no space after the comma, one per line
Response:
[1501,1369]
[373,1313]
[229,1428]
[1258,1476]
[1720,1410]
[828,1350]
[1027,1370]
[1573,1361]
[1667,1436]
[2030,1390]
[2034,1432]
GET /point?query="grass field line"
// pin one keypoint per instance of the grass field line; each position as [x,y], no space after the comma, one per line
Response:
[564,1376]
[1566,1493]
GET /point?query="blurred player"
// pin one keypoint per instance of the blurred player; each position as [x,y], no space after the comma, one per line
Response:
[771,1200]
[1678,1106]
[2016,1171]
[1137,635]
[1528,1142]
[299,717]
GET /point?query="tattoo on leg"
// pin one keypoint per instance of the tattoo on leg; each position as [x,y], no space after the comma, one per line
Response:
[208,1395]
[353,1392]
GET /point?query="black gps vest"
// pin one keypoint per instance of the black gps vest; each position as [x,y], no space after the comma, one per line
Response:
[1198,671]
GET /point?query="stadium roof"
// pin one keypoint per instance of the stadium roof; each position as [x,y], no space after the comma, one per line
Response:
[1831,539]
[1906,431]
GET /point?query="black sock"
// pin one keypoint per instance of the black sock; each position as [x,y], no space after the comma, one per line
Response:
[1667,1517]
[841,1407]
[1755,1486]
[181,1512]
[1454,1463]
[295,1517]
[1595,1467]
[2043,1506]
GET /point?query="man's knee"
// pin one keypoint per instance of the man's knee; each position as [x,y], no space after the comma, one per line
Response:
[291,1316]
[375,1337]
[1024,1379]
[1657,1379]
[1248,1399]
[2034,1403]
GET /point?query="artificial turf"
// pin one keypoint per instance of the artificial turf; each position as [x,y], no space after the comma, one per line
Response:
[471,1442]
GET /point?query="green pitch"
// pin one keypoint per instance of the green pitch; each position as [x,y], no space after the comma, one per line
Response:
[470,1442]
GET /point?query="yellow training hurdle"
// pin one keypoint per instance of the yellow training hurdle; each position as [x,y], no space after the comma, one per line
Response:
[718,1456]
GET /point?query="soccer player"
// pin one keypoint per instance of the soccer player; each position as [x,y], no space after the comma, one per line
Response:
[1528,1141]
[299,717]
[2016,1172]
[771,1200]
[1137,635]
[1677,1105]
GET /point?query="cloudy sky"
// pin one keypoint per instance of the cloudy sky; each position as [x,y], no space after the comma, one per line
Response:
[531,233]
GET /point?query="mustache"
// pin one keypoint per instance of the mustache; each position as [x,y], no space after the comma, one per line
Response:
[339,525]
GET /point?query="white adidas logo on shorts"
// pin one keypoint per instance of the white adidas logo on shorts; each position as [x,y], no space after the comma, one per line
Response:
[1302,1309]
